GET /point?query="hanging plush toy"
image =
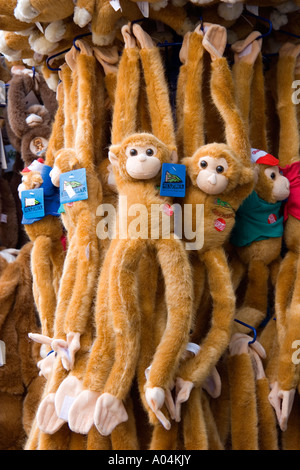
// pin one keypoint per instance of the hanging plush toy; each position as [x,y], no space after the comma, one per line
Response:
[31,109]
[20,384]
[258,230]
[105,18]
[136,178]
[286,298]
[220,177]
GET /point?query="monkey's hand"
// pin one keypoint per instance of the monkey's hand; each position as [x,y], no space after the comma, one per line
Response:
[282,402]
[46,417]
[155,398]
[183,391]
[67,349]
[81,412]
[46,365]
[109,412]
[214,40]
[248,49]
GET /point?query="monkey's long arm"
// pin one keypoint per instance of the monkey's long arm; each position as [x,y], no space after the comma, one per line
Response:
[224,98]
[197,369]
[289,140]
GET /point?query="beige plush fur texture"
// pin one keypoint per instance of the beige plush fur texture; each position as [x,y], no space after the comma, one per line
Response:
[20,383]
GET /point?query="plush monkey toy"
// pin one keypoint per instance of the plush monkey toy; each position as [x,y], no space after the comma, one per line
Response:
[258,230]
[220,175]
[31,109]
[286,297]
[137,180]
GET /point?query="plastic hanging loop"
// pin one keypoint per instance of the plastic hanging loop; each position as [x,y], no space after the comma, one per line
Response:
[246,12]
[79,37]
[53,57]
[251,328]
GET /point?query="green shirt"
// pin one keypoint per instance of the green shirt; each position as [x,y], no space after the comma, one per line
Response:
[257,220]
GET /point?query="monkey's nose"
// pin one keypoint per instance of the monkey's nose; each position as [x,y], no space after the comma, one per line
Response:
[212,178]
[142,157]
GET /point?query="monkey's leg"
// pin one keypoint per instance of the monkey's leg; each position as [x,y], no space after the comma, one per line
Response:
[268,438]
[126,313]
[288,370]
[244,424]
[255,305]
[194,425]
[81,413]
[284,288]
[213,436]
[87,268]
[163,439]
[124,436]
[42,277]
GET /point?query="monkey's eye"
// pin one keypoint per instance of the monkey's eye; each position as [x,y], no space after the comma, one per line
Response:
[203,164]
[149,152]
[219,169]
[133,152]
[273,176]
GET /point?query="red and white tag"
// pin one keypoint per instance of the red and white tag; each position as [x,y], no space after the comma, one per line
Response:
[220,225]
[168,209]
[272,219]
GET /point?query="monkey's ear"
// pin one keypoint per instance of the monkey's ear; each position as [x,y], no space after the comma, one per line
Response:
[113,158]
[174,157]
[255,173]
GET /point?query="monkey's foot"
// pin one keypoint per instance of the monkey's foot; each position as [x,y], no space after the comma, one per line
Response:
[109,412]
[215,40]
[248,49]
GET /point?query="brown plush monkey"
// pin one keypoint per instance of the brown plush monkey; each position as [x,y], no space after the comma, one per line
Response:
[135,185]
[286,297]
[218,173]
[20,384]
[31,110]
[104,18]
[257,235]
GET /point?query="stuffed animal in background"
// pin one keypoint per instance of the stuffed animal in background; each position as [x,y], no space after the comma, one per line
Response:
[31,110]
[287,295]
[257,235]
[20,383]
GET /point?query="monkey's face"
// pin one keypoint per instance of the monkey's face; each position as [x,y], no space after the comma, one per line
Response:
[140,157]
[214,169]
[142,161]
[212,177]
[271,185]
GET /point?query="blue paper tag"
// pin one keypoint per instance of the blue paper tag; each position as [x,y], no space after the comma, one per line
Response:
[173,180]
[33,203]
[72,186]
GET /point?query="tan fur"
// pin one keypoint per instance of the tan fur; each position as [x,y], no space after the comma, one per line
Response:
[244,421]
[20,384]
[212,253]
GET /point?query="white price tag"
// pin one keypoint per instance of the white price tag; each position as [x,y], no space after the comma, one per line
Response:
[144,8]
[116,5]
[65,407]
[2,353]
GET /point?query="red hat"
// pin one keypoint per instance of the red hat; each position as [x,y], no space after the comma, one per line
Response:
[263,158]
